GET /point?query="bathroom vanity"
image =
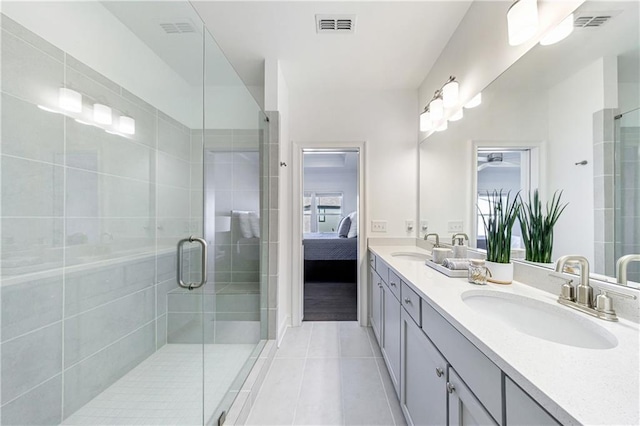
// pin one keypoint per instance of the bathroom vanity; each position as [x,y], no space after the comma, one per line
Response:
[462,354]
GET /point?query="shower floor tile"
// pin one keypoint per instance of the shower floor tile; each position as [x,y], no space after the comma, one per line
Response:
[166,388]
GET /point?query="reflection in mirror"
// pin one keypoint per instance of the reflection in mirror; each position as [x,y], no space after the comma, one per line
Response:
[576,100]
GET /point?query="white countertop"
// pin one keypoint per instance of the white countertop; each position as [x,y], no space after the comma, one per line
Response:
[575,385]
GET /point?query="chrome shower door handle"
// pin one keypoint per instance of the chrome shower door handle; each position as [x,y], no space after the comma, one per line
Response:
[203,262]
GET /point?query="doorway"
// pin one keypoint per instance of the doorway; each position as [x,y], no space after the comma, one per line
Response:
[330,234]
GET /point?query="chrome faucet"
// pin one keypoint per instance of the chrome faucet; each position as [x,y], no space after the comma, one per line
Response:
[435,235]
[584,291]
[460,236]
[622,264]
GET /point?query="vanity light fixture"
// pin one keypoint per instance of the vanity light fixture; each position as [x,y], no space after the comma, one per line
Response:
[69,100]
[522,21]
[450,93]
[425,121]
[102,114]
[443,126]
[437,107]
[127,125]
[456,115]
[475,101]
[559,33]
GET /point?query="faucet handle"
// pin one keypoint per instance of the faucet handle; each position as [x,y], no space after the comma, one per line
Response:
[567,291]
[605,304]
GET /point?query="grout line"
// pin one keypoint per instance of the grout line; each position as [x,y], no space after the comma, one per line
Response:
[64,245]
[304,368]
[31,389]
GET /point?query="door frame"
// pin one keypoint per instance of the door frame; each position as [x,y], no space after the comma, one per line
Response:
[297,272]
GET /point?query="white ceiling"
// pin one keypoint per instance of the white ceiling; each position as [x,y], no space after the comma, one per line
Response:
[394,45]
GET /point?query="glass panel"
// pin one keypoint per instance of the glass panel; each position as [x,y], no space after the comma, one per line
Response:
[627,189]
[95,197]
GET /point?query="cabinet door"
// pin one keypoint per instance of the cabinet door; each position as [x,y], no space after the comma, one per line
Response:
[424,377]
[391,336]
[464,407]
[376,305]
[522,409]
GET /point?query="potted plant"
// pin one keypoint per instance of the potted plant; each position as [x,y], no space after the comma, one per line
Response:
[537,226]
[498,224]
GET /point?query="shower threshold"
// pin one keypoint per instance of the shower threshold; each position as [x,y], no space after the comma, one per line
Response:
[167,387]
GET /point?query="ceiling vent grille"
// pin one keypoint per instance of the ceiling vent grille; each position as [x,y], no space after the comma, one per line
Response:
[335,24]
[592,19]
[184,26]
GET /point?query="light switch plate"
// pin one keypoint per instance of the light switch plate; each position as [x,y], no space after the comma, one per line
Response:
[454,226]
[378,226]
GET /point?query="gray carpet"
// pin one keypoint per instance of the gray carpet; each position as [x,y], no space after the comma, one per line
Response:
[330,301]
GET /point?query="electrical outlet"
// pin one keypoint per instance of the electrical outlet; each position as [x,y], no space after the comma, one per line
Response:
[378,226]
[454,226]
[408,225]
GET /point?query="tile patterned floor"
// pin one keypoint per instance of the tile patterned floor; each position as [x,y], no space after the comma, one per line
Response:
[327,373]
[166,388]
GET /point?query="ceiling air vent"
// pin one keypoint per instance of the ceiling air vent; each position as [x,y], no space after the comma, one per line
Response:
[335,24]
[181,26]
[589,19]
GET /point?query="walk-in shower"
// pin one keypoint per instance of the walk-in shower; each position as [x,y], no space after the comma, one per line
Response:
[124,131]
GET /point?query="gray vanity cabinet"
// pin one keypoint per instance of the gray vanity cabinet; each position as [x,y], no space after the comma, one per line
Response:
[464,407]
[423,395]
[390,346]
[522,409]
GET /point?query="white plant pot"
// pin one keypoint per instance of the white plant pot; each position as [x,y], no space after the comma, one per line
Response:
[499,273]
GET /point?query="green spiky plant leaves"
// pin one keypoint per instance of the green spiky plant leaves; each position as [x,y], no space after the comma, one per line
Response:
[537,226]
[498,224]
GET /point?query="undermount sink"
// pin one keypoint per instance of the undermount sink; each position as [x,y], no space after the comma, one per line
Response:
[540,319]
[416,257]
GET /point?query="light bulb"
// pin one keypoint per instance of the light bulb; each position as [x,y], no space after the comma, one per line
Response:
[450,94]
[69,100]
[442,127]
[436,107]
[102,114]
[522,21]
[475,101]
[425,122]
[457,115]
[559,33]
[127,125]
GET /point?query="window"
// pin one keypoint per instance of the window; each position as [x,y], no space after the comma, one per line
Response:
[322,212]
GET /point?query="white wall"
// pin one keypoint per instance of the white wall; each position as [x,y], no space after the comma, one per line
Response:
[386,121]
[570,141]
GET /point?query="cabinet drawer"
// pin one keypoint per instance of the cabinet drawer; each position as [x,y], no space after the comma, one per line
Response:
[522,409]
[411,302]
[382,269]
[481,375]
[394,284]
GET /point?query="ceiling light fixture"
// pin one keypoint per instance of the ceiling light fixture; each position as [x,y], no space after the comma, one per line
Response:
[475,101]
[559,33]
[522,21]
[102,114]
[69,100]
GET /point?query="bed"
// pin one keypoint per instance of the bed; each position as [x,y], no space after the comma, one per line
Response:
[328,246]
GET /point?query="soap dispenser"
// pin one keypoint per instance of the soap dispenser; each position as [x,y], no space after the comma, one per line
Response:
[459,249]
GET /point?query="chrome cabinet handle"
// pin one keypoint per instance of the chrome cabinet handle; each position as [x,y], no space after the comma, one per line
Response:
[408,301]
[203,263]
[439,372]
[450,387]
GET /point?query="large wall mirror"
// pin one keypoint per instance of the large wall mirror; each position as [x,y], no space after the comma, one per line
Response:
[565,117]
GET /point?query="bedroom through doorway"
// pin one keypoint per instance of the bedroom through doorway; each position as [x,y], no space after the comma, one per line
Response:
[330,235]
